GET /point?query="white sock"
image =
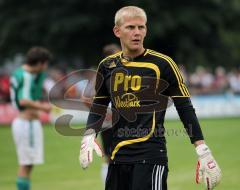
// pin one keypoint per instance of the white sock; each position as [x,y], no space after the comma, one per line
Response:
[104,171]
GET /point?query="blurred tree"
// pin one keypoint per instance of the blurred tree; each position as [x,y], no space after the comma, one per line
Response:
[200,32]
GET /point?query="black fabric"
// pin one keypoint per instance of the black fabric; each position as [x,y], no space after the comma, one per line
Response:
[107,136]
[139,90]
[136,177]
[189,119]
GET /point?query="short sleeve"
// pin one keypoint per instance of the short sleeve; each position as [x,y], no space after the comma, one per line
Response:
[14,82]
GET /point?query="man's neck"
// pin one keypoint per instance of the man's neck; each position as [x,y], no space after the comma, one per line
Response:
[29,69]
[132,54]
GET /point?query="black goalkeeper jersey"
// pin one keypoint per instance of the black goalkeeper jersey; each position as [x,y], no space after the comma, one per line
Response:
[139,90]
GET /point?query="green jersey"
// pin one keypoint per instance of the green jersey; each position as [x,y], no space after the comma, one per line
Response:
[26,85]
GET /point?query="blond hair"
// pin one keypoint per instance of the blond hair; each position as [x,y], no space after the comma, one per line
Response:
[129,11]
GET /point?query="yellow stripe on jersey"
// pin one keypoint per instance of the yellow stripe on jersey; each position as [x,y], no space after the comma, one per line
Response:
[181,78]
[179,96]
[98,97]
[146,65]
[181,84]
[132,141]
[175,69]
[146,52]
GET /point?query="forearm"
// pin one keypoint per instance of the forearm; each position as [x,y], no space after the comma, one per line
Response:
[97,115]
[36,105]
[30,104]
[208,170]
[189,119]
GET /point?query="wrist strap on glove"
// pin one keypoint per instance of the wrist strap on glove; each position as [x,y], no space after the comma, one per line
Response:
[202,150]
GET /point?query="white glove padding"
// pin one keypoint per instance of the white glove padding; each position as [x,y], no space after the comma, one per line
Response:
[88,144]
[207,170]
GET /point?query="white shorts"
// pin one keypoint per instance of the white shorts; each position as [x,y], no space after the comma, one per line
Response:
[28,137]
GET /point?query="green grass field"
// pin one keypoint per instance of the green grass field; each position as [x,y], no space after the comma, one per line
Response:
[61,170]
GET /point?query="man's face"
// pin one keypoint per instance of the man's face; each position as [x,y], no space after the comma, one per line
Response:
[131,32]
[44,65]
[41,66]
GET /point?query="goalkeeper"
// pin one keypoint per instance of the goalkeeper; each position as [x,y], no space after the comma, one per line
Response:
[138,82]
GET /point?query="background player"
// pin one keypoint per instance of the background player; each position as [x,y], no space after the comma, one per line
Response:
[26,92]
[138,160]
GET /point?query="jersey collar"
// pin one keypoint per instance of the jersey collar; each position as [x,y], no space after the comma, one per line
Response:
[125,59]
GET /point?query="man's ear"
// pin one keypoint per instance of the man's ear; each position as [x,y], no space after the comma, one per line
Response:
[116,31]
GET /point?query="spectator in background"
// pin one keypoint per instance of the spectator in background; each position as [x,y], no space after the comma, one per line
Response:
[110,49]
[201,81]
[85,87]
[220,82]
[234,81]
[55,75]
[4,88]
[70,89]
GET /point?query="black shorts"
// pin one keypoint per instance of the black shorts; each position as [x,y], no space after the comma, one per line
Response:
[136,177]
[107,141]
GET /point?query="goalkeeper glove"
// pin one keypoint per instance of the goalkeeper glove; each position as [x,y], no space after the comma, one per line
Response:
[208,170]
[88,144]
